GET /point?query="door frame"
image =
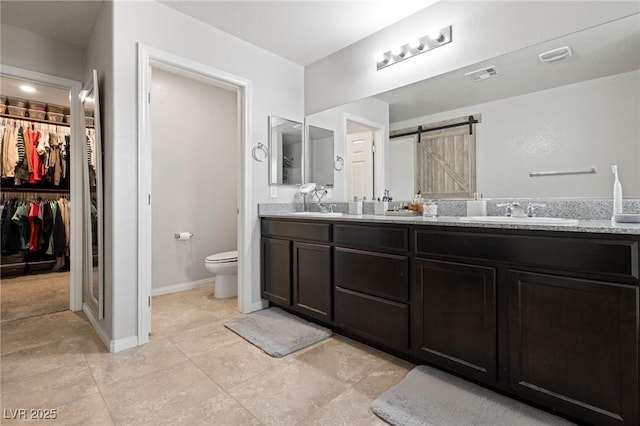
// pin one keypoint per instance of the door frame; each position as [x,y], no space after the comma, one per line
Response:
[380,153]
[148,58]
[77,212]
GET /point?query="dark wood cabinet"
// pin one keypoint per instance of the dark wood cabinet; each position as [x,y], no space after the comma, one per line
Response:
[312,287]
[276,270]
[550,317]
[573,344]
[454,317]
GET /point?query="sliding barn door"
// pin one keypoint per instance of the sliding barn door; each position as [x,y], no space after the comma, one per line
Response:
[446,163]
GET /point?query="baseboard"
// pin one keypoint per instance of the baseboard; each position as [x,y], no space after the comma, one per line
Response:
[123,344]
[112,345]
[258,306]
[181,287]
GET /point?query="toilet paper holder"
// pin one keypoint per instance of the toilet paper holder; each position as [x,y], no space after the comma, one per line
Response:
[183,236]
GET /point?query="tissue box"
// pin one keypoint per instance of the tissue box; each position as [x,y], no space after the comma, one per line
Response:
[477,208]
[380,207]
[355,207]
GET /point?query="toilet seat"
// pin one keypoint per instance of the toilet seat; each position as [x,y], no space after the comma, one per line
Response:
[225,257]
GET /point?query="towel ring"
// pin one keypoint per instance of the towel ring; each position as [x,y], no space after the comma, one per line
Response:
[260,148]
[339,163]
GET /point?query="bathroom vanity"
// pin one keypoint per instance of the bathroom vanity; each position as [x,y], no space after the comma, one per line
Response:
[546,314]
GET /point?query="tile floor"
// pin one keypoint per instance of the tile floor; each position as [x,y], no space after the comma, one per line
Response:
[193,371]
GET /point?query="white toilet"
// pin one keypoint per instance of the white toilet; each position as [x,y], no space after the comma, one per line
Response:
[225,267]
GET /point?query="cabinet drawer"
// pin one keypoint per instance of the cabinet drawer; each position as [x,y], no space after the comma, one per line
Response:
[383,275]
[372,237]
[605,257]
[376,319]
[297,230]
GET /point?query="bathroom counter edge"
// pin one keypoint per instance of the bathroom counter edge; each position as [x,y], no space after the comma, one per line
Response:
[591,226]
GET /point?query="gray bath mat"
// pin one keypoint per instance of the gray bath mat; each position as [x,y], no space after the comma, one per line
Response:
[427,396]
[277,332]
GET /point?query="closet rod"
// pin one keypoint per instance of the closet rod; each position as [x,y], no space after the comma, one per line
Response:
[470,122]
[43,190]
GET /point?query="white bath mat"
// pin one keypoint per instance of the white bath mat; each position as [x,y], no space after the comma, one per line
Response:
[427,396]
[276,332]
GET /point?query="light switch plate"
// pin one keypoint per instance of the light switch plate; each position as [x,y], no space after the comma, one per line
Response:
[273,191]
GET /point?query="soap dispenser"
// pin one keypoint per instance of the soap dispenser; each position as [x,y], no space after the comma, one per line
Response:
[617,193]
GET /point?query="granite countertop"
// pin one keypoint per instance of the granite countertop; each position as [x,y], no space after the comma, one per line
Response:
[592,226]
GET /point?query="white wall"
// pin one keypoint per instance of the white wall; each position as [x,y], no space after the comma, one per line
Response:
[25,49]
[481,30]
[194,176]
[277,89]
[100,57]
[370,109]
[582,125]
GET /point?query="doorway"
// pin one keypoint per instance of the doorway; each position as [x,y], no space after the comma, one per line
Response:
[194,131]
[364,158]
[38,276]
[150,60]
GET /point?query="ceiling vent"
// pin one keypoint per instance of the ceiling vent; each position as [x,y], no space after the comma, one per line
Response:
[555,55]
[482,74]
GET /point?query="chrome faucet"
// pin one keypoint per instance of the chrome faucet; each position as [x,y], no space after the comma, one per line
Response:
[531,209]
[515,209]
[326,209]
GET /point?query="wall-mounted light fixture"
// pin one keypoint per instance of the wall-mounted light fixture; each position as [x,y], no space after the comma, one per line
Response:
[414,47]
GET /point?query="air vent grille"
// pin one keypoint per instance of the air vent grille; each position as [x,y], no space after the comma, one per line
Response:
[482,74]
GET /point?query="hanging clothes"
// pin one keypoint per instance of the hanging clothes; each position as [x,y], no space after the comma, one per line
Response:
[37,154]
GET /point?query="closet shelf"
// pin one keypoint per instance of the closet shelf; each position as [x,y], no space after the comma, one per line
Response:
[36,120]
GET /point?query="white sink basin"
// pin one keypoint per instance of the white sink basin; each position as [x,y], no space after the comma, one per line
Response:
[316,214]
[520,220]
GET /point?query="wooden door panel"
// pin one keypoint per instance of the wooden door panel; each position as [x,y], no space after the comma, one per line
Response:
[574,342]
[276,270]
[454,316]
[312,287]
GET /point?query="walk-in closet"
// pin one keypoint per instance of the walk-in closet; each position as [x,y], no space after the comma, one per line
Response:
[35,198]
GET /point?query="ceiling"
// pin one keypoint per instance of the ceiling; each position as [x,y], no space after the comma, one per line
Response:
[302,31]
[67,21]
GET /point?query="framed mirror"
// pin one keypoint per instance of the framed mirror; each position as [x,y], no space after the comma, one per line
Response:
[93,290]
[319,158]
[543,127]
[285,152]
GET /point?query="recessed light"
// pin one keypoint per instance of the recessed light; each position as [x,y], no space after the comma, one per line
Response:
[28,89]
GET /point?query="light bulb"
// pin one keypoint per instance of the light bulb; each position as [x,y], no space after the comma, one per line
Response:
[381,58]
[27,88]
[436,35]
[416,44]
[398,51]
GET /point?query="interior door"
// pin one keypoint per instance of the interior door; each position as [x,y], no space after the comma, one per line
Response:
[360,151]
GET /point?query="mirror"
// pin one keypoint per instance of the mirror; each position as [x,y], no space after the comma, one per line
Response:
[570,115]
[285,151]
[93,289]
[319,156]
